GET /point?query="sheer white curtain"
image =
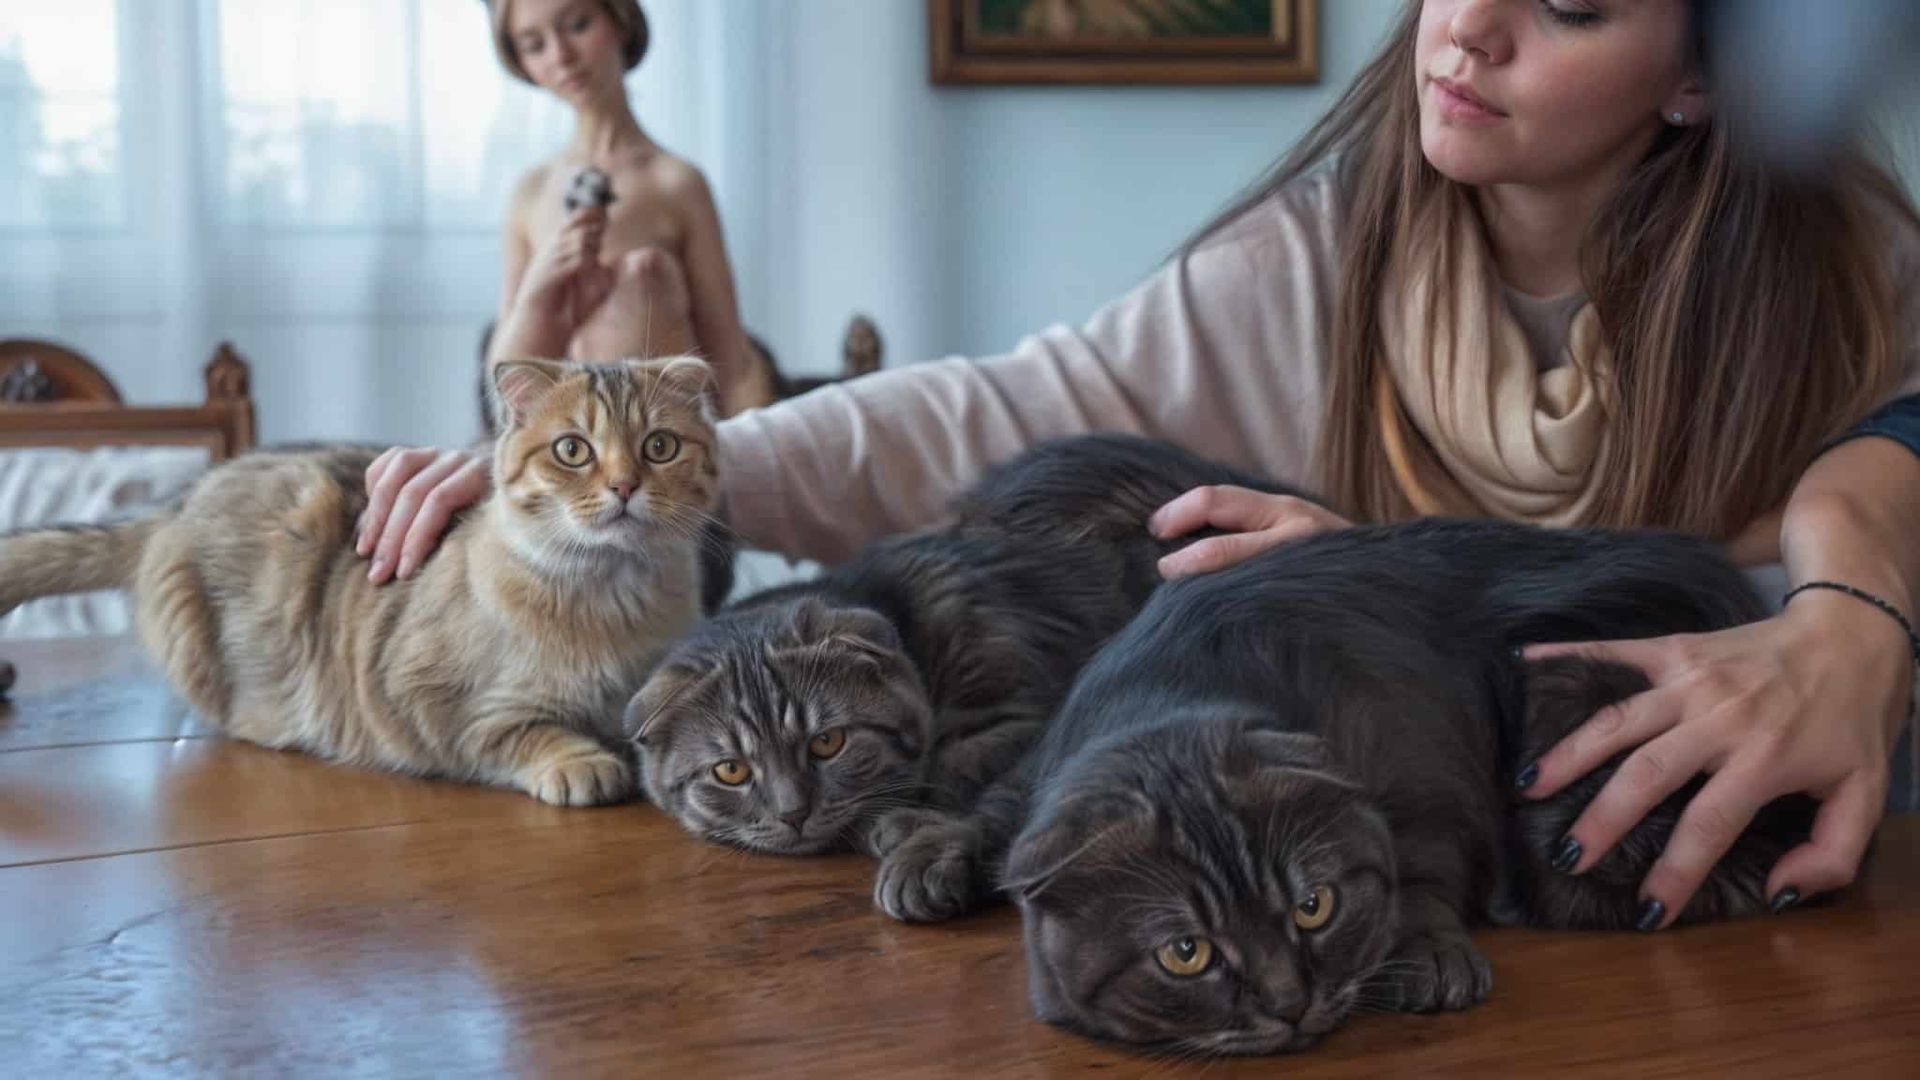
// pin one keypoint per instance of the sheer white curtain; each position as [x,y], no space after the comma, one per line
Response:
[322,181]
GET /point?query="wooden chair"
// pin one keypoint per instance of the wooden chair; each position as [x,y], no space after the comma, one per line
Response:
[51,395]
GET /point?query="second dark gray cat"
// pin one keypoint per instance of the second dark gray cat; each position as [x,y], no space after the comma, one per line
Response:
[868,708]
[1286,789]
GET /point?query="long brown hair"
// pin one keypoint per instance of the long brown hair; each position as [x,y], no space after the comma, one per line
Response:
[1750,312]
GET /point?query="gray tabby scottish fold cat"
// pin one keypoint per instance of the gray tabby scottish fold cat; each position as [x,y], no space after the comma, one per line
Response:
[1286,789]
[869,707]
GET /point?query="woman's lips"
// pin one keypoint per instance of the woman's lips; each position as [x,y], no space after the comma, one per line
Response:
[1459,102]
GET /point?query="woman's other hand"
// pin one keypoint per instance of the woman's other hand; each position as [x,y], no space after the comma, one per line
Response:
[1809,701]
[412,495]
[1253,520]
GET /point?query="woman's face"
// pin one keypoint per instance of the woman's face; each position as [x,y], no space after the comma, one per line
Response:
[572,48]
[1549,92]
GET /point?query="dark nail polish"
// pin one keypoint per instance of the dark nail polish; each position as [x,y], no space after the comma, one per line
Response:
[1527,776]
[1784,899]
[1568,856]
[1651,913]
[1518,652]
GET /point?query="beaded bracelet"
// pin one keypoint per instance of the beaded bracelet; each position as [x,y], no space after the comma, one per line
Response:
[1913,639]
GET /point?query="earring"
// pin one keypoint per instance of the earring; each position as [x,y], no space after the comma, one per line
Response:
[1679,119]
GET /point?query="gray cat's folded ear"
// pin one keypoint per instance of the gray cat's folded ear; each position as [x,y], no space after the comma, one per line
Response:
[669,685]
[519,385]
[859,630]
[1078,830]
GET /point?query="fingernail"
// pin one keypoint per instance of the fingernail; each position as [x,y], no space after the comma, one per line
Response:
[406,568]
[1527,776]
[1784,899]
[1568,857]
[378,569]
[1651,913]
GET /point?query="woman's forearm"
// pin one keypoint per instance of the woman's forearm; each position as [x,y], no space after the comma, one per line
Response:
[1854,518]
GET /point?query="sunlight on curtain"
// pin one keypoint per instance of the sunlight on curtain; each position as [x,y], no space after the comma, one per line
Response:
[413,130]
[60,160]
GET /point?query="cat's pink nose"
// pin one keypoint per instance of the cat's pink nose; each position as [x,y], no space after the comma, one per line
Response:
[625,491]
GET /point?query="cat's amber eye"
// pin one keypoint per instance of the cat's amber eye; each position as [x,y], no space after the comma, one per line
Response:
[661,447]
[1313,912]
[1185,957]
[732,772]
[572,451]
[828,743]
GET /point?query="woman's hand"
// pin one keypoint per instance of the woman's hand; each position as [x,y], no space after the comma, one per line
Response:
[1811,700]
[413,493]
[566,280]
[1254,520]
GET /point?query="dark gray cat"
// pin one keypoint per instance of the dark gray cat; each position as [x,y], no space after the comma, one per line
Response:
[1286,789]
[870,707]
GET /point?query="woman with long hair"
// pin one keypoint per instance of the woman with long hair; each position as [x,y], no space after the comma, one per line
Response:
[1522,269]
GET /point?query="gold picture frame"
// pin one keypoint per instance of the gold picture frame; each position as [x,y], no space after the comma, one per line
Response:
[1116,42]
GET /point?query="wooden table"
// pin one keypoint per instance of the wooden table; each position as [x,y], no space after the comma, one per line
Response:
[173,903]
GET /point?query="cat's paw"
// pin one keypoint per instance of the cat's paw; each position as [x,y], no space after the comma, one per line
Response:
[896,827]
[931,876]
[588,779]
[1434,972]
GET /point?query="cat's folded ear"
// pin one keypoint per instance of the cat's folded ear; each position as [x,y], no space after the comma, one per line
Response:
[519,386]
[670,684]
[1079,831]
[688,377]
[859,630]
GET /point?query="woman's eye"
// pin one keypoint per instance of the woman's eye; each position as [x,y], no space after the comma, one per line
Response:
[828,743]
[530,46]
[732,772]
[572,451]
[1569,16]
[581,24]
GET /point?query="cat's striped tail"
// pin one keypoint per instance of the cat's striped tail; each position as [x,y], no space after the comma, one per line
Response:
[70,559]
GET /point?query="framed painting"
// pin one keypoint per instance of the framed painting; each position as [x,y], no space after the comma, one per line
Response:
[1123,41]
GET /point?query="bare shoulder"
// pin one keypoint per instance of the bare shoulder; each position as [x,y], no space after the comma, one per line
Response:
[526,195]
[678,179]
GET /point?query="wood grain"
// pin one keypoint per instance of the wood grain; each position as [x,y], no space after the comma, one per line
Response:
[207,907]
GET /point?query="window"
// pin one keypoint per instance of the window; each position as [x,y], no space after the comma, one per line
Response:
[60,148]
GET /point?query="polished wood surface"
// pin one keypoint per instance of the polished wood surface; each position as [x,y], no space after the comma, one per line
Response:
[173,903]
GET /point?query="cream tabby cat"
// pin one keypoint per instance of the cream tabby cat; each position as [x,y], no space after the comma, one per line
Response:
[505,660]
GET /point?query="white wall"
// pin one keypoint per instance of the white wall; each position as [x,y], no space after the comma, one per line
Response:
[962,218]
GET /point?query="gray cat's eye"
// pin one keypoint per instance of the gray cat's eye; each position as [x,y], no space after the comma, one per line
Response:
[661,447]
[1185,957]
[732,772]
[827,744]
[1313,912]
[572,451]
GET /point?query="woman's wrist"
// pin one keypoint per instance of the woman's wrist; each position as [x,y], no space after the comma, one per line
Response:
[1830,536]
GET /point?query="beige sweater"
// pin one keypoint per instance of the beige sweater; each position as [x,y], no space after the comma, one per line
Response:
[1223,353]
